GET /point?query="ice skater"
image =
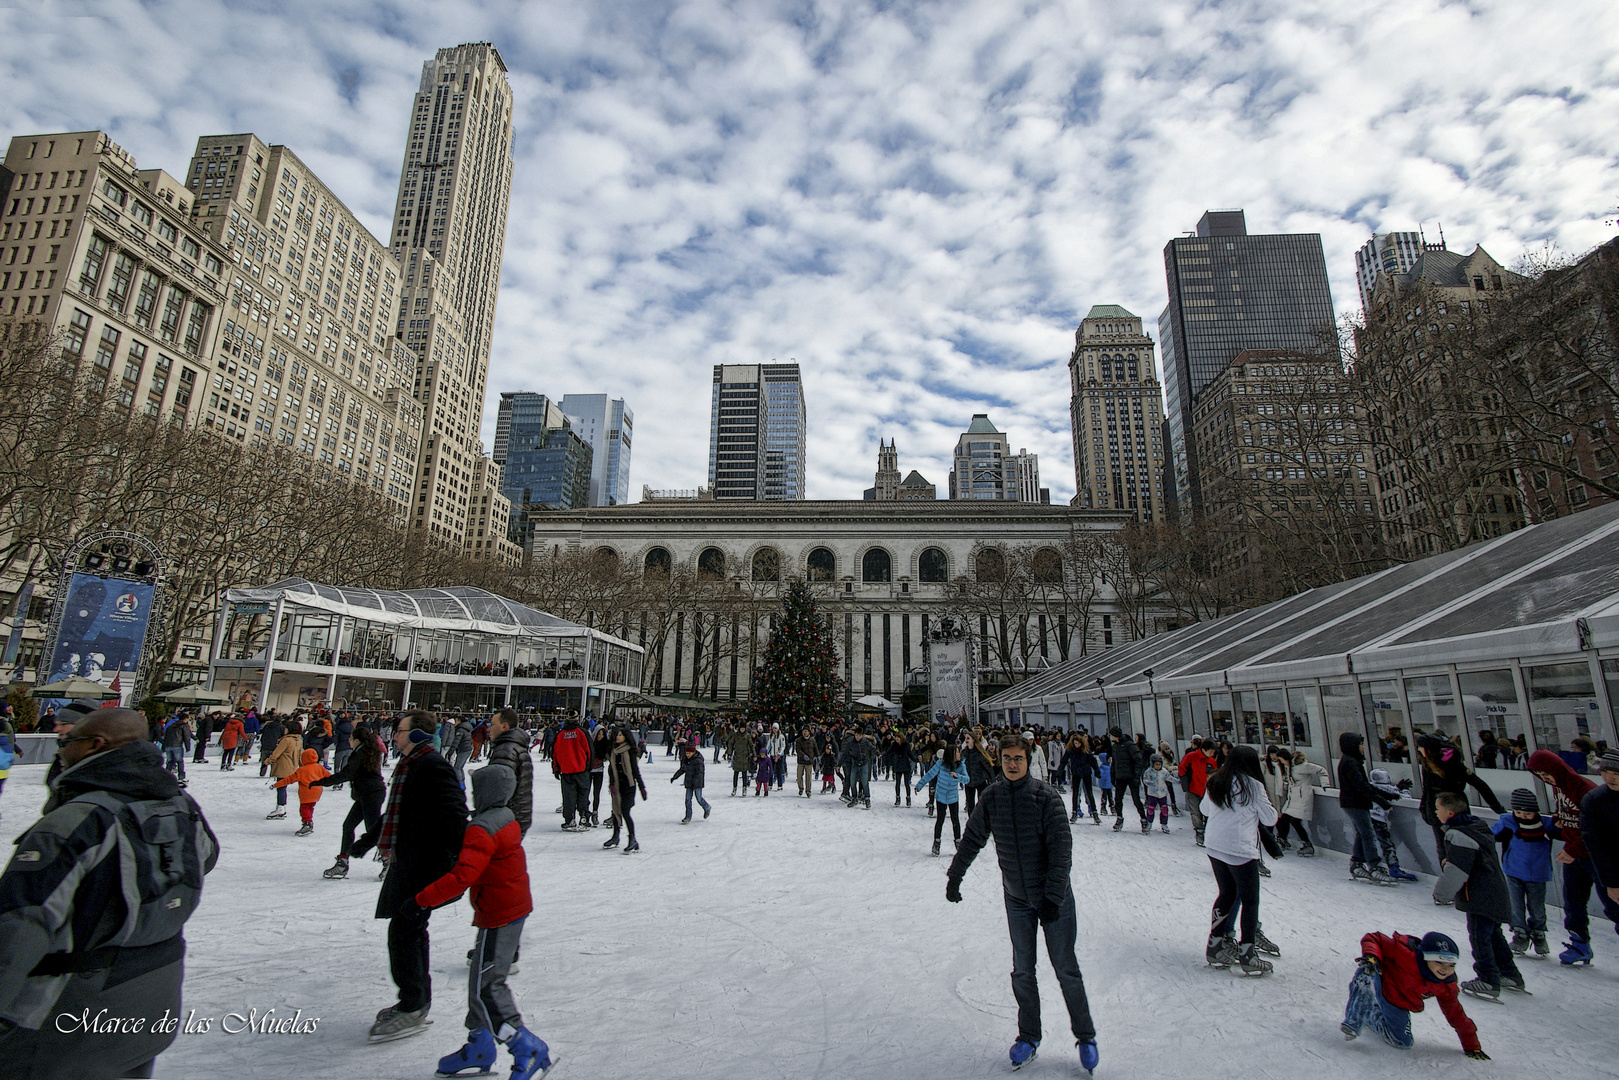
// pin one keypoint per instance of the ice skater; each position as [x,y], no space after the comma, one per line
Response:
[1395,974]
[1035,851]
[693,767]
[949,776]
[493,871]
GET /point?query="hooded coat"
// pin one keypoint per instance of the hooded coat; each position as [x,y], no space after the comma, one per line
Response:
[285,758]
[1453,776]
[1472,875]
[306,776]
[1569,788]
[1355,792]
[491,866]
[512,751]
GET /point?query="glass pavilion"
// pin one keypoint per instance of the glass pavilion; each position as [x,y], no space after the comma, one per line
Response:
[1516,636]
[456,648]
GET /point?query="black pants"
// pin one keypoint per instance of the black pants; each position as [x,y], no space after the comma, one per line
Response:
[596,779]
[629,822]
[1135,793]
[902,784]
[408,960]
[226,755]
[575,795]
[972,799]
[1284,824]
[938,821]
[369,810]
[1090,797]
[1492,958]
[1239,889]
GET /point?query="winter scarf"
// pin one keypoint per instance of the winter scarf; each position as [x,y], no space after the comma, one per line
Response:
[396,791]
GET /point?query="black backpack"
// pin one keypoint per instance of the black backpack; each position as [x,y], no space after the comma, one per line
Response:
[164,847]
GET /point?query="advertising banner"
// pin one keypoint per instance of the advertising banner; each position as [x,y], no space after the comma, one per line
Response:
[103,630]
[950,681]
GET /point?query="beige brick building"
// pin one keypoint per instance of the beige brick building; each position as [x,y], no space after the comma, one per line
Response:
[1117,416]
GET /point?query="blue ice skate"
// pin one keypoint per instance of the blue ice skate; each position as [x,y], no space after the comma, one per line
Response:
[1089,1056]
[1023,1052]
[478,1053]
[531,1058]
[1578,951]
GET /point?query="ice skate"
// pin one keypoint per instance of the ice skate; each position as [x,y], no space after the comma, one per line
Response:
[1481,989]
[1515,984]
[395,1023]
[1358,872]
[633,845]
[1164,828]
[1519,942]
[478,1054]
[1221,951]
[1089,1056]
[277,814]
[339,869]
[305,829]
[1265,944]
[1118,826]
[531,1058]
[1096,818]
[1400,875]
[1578,952]
[1072,818]
[1380,876]
[1264,871]
[935,847]
[1252,964]
[1539,938]
[612,842]
[1023,1051]
[1306,850]
[1146,826]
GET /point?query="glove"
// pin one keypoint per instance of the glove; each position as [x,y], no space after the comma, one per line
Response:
[671,779]
[410,909]
[1478,1055]
[1048,911]
[1368,963]
[952,890]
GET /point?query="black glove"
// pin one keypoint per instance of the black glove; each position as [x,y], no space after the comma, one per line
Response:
[1049,910]
[952,890]
[1404,785]
[410,909]
[1478,1055]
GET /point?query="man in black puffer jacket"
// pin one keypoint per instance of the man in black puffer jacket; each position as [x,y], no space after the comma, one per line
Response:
[1036,852]
[510,747]
[1129,763]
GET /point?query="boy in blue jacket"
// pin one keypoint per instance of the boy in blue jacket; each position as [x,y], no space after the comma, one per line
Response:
[1526,837]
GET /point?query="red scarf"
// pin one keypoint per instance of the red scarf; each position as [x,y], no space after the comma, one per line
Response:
[396,789]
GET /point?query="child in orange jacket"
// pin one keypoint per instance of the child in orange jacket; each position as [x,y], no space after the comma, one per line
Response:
[308,794]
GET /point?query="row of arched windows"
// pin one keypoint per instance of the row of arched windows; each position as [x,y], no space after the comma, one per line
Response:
[876,565]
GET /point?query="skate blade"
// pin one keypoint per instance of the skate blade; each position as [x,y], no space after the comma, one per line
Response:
[464,1072]
[1482,997]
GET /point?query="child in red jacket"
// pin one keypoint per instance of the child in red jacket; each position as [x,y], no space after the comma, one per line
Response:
[308,794]
[1396,974]
[493,870]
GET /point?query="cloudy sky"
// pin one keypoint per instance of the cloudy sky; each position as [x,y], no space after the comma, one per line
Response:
[917,201]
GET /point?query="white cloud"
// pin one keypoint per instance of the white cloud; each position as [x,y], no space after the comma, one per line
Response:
[915,200]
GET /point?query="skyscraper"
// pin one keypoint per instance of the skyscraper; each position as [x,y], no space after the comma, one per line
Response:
[1388,253]
[607,425]
[886,486]
[757,432]
[1229,292]
[1115,409]
[543,464]
[448,237]
[983,468]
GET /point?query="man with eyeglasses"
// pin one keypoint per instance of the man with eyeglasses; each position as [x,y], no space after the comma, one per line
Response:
[1035,851]
[71,948]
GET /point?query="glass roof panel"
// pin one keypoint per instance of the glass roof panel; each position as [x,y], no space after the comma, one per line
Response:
[1558,590]
[1282,622]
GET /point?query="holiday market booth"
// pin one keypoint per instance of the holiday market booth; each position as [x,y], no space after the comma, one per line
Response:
[297,644]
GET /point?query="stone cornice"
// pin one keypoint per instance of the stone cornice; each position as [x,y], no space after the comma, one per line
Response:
[821,512]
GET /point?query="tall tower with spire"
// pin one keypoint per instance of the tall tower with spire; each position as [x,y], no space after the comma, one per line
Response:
[887,470]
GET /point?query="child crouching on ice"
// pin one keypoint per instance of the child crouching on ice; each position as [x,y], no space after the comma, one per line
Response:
[308,794]
[494,872]
[1396,973]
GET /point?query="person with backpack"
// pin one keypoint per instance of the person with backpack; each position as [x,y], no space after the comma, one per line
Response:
[69,944]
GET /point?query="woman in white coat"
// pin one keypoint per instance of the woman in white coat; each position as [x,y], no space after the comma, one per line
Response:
[1299,805]
[1236,806]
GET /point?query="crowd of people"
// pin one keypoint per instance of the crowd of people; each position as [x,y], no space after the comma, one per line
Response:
[116,774]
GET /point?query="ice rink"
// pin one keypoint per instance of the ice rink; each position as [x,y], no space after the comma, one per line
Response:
[796,938]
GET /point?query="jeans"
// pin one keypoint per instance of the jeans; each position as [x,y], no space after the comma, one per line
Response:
[779,765]
[490,1004]
[408,960]
[281,796]
[1578,877]
[1385,842]
[696,793]
[1090,796]
[575,795]
[1530,894]
[1023,922]
[1239,891]
[860,782]
[1491,957]
[174,760]
[1368,1007]
[1134,783]
[1365,852]
[1194,805]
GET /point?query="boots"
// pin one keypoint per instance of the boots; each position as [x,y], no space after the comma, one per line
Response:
[1400,875]
[1306,850]
[1578,952]
[1118,825]
[1221,950]
[1146,825]
[1265,944]
[611,842]
[935,847]
[478,1053]
[1539,938]
[339,869]
[305,829]
[1252,963]
[531,1058]
[1096,818]
[1520,941]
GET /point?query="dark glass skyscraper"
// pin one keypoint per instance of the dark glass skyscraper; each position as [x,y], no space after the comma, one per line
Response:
[1229,292]
[545,465]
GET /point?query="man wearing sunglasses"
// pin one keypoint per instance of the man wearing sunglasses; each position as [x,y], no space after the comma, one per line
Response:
[92,909]
[1035,850]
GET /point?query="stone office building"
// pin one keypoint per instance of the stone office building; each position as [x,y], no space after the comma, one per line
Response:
[884,572]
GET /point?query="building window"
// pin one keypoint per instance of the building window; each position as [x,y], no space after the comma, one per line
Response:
[990,565]
[821,565]
[711,565]
[932,566]
[875,566]
[766,565]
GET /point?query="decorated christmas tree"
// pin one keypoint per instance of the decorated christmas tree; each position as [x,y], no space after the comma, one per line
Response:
[798,679]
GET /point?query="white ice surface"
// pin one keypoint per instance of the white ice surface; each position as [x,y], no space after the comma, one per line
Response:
[796,938]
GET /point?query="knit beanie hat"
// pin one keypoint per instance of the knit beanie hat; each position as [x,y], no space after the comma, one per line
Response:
[1439,948]
[1608,762]
[1524,799]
